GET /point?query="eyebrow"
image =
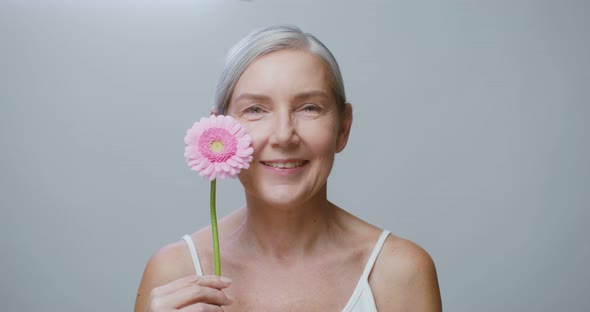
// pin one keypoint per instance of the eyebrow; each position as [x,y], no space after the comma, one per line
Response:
[311,94]
[264,98]
[253,97]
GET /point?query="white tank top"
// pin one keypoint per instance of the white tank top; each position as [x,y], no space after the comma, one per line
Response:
[361,299]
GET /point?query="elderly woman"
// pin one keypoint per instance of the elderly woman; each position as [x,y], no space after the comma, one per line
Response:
[289,248]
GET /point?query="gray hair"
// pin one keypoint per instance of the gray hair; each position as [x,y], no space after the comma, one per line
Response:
[266,40]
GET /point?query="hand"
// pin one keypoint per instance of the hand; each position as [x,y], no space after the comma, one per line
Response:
[191,293]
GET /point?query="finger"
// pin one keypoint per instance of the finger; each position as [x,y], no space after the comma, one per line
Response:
[214,281]
[197,293]
[202,307]
[191,294]
[174,286]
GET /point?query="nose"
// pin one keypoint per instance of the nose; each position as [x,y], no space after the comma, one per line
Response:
[284,133]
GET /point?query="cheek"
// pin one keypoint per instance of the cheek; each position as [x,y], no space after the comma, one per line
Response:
[259,134]
[324,137]
[323,145]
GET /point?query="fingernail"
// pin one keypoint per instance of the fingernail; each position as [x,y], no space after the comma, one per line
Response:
[226,279]
[229,300]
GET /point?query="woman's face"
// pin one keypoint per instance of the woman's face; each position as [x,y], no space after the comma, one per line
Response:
[285,102]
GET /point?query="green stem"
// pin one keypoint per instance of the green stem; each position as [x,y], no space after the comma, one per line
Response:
[216,255]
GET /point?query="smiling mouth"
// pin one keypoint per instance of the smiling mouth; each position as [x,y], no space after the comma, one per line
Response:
[285,165]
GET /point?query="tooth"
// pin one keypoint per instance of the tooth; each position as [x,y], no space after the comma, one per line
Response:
[287,165]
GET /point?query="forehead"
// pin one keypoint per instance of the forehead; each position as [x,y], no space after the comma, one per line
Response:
[284,72]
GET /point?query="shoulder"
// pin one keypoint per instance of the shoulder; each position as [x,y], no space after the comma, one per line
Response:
[404,278]
[168,264]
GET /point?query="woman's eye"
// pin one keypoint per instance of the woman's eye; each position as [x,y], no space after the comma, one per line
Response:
[253,110]
[311,108]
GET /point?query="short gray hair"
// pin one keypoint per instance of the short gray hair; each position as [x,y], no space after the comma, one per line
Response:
[266,40]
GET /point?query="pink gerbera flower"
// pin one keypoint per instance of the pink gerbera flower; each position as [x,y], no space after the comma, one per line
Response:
[217,147]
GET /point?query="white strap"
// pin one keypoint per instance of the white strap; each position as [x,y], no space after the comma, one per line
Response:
[366,272]
[374,254]
[191,247]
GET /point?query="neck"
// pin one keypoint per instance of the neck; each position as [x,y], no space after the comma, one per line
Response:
[286,231]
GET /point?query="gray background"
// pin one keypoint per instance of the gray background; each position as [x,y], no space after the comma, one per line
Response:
[470,138]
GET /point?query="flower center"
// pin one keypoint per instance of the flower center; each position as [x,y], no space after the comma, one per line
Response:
[217,145]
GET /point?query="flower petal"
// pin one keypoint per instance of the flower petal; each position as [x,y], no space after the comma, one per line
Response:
[224,166]
[232,150]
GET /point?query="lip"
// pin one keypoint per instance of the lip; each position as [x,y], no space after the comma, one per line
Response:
[283,166]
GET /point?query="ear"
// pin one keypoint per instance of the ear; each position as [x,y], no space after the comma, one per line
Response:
[344,129]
